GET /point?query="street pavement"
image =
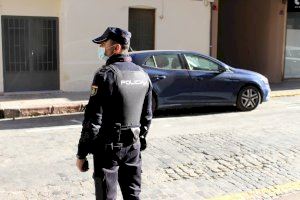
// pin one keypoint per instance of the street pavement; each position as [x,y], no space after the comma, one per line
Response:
[203,153]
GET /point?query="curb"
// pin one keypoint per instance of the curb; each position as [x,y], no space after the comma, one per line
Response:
[39,111]
[285,93]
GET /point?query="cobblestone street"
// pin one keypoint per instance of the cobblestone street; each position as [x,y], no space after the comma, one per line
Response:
[219,155]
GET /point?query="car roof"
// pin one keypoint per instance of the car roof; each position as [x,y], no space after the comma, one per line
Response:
[161,51]
[140,56]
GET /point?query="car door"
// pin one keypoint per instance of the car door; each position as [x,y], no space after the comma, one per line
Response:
[212,82]
[169,78]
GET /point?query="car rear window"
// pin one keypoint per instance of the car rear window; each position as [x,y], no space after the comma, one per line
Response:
[168,61]
[150,62]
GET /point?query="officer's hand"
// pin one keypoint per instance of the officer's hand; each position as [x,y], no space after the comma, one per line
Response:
[82,165]
[143,143]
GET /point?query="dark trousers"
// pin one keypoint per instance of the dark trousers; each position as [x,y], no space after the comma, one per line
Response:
[115,165]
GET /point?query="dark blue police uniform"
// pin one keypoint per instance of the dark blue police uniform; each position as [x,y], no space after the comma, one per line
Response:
[116,121]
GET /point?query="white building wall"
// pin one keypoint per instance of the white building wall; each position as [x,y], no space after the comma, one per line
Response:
[1,63]
[48,8]
[179,24]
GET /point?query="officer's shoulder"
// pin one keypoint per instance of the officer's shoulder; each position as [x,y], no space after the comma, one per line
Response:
[102,71]
[141,69]
[138,67]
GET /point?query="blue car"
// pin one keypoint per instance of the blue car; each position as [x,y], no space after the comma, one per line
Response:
[189,79]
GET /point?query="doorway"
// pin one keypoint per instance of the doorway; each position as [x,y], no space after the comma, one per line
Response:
[30,53]
[142,27]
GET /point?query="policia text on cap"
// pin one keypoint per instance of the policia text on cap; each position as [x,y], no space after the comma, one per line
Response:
[116,119]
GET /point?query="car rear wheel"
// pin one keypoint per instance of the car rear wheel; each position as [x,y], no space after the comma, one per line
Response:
[248,99]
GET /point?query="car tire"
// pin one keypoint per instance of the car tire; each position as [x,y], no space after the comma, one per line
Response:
[248,98]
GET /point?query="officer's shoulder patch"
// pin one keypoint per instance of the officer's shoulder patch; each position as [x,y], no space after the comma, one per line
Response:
[94,90]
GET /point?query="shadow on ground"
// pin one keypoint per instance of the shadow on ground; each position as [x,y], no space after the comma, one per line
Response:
[194,111]
[76,119]
[42,121]
[51,95]
[291,84]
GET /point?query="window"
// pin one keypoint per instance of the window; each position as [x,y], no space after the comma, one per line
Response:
[292,56]
[141,24]
[150,62]
[198,63]
[168,61]
[295,53]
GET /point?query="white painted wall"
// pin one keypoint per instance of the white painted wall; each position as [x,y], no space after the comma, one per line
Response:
[49,8]
[46,8]
[179,24]
[1,62]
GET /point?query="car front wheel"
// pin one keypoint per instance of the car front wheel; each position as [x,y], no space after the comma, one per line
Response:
[248,99]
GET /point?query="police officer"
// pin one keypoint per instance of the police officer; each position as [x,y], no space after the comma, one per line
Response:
[116,119]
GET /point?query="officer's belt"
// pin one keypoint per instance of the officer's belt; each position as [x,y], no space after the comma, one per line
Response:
[112,146]
[125,136]
[111,127]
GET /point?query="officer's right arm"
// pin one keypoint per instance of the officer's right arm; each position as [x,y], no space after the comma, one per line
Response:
[92,117]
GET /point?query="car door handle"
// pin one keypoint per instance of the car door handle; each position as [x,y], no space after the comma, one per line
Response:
[232,79]
[158,77]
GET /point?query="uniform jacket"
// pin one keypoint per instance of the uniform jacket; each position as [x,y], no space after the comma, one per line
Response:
[121,92]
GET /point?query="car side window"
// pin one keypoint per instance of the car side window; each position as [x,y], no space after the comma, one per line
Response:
[150,62]
[168,61]
[198,63]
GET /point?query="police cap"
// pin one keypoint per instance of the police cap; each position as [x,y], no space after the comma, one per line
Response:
[119,35]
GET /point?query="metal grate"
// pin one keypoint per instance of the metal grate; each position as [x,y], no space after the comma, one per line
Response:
[16,33]
[45,59]
[30,44]
[30,53]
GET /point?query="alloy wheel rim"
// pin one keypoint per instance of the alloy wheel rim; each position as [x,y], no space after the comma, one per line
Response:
[250,98]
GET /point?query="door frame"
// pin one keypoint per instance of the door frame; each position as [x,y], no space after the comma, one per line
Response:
[154,21]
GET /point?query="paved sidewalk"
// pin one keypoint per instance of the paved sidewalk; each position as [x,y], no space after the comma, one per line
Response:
[13,105]
[295,196]
[41,103]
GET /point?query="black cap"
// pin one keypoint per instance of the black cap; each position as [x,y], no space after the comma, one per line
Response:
[119,35]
